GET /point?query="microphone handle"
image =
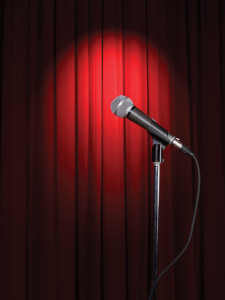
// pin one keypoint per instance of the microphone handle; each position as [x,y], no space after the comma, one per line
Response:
[155,130]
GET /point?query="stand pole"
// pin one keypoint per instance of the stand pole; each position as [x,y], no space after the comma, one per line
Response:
[157,159]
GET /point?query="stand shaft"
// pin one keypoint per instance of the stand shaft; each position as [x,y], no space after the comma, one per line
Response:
[157,159]
[155,223]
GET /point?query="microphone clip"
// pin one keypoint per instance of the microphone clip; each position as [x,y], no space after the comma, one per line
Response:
[157,150]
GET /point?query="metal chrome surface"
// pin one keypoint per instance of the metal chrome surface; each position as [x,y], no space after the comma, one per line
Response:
[176,142]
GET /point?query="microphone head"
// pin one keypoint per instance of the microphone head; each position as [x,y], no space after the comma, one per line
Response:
[121,106]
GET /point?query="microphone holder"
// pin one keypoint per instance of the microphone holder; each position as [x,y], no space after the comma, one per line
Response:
[157,159]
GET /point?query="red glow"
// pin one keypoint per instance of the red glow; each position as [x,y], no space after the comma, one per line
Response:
[124,72]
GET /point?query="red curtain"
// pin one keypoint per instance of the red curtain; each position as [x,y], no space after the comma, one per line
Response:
[76,181]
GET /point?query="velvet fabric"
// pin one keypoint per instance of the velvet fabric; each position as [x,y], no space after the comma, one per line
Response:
[76,181]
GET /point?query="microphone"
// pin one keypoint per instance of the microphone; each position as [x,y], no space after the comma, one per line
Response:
[123,107]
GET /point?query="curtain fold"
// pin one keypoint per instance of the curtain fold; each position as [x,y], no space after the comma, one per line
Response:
[76,181]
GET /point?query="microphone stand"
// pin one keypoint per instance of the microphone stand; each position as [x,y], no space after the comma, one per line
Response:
[157,159]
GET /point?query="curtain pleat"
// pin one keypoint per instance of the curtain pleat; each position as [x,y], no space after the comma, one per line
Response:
[76,181]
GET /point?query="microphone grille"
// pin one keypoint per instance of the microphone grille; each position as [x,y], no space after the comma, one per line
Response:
[121,106]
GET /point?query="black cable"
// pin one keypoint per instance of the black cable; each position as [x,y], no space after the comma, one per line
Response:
[190,235]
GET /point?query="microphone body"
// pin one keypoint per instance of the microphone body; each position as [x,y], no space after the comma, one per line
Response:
[138,117]
[122,106]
